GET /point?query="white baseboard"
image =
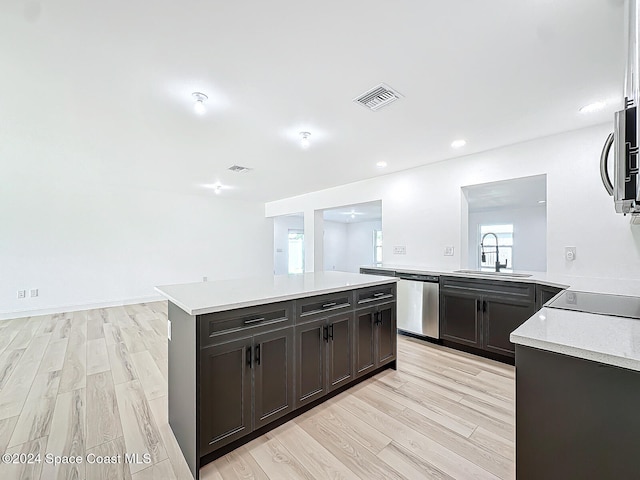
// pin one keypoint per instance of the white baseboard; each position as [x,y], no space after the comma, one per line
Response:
[76,308]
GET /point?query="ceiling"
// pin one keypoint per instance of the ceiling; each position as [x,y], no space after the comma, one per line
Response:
[514,193]
[361,212]
[99,93]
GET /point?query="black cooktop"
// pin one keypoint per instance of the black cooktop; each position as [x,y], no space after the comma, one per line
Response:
[605,304]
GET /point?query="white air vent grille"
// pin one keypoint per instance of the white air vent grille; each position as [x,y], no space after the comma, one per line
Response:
[378,97]
[239,169]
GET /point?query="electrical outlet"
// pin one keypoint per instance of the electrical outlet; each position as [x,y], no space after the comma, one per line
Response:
[448,251]
[570,253]
[205,279]
[399,250]
[169,329]
[33,292]
[22,293]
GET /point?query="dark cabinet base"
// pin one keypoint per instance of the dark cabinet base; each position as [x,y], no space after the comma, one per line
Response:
[575,418]
[480,352]
[276,423]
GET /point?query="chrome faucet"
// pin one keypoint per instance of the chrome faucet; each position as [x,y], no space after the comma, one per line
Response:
[484,257]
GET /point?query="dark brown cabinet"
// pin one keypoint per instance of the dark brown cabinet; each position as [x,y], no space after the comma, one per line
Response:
[324,356]
[245,384]
[481,314]
[500,317]
[237,373]
[460,317]
[273,376]
[544,293]
[375,337]
[225,393]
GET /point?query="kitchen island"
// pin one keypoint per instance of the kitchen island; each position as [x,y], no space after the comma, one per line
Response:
[578,389]
[247,355]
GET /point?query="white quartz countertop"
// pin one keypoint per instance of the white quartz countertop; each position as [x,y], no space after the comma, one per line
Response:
[615,286]
[208,297]
[600,338]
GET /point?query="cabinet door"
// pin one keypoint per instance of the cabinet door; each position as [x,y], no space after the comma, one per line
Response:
[386,334]
[544,294]
[460,317]
[364,339]
[273,375]
[340,350]
[225,393]
[311,341]
[501,317]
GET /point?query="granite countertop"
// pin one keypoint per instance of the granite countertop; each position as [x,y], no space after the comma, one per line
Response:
[208,297]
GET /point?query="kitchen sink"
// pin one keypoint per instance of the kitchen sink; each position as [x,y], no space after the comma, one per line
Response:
[493,274]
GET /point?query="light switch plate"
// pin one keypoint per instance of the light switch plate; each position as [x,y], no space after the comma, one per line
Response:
[399,250]
[448,251]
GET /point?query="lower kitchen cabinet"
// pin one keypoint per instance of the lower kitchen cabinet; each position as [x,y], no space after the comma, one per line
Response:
[324,356]
[375,337]
[544,293]
[225,393]
[237,373]
[245,384]
[340,350]
[273,376]
[500,317]
[481,314]
[460,318]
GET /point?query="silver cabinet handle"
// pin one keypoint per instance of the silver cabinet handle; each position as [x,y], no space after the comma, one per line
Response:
[604,159]
[331,304]
[255,320]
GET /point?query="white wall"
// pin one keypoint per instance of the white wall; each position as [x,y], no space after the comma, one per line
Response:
[529,235]
[335,246]
[360,246]
[348,246]
[88,245]
[281,227]
[422,207]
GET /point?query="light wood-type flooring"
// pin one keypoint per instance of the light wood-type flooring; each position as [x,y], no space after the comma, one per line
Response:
[94,384]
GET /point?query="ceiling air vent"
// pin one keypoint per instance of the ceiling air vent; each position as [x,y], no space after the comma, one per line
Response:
[378,97]
[239,169]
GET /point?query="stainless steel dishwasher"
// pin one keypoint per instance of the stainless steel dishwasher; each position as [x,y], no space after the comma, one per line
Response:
[418,304]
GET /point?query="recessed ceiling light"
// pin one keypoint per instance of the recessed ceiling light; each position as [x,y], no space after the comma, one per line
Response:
[198,106]
[593,107]
[304,141]
[217,187]
[381,164]
[458,143]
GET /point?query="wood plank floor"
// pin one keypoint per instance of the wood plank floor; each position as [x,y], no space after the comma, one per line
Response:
[95,382]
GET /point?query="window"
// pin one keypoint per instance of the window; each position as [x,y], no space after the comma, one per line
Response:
[505,245]
[296,251]
[377,250]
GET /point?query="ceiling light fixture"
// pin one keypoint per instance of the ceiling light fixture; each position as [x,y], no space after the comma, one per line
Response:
[381,164]
[593,107]
[304,141]
[458,143]
[198,106]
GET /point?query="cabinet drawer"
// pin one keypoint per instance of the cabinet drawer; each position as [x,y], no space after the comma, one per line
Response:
[489,287]
[308,309]
[249,321]
[379,293]
[378,271]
